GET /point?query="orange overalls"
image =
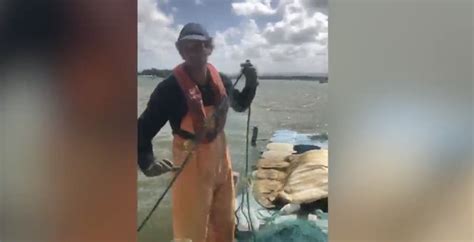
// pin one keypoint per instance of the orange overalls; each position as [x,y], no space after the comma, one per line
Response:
[203,194]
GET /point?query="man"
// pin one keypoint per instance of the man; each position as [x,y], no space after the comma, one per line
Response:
[203,194]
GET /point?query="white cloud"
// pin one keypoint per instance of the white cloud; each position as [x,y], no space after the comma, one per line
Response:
[198,2]
[253,7]
[298,25]
[233,46]
[295,43]
[156,37]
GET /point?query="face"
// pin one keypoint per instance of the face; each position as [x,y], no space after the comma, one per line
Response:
[195,52]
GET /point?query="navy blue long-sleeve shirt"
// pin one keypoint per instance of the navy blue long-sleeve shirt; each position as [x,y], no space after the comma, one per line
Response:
[167,103]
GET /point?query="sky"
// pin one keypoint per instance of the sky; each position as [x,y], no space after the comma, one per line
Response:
[277,36]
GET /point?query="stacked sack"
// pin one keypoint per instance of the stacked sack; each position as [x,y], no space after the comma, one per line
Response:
[284,177]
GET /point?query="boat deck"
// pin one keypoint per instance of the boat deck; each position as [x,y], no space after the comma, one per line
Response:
[252,216]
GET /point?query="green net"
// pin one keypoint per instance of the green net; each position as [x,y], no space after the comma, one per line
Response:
[291,231]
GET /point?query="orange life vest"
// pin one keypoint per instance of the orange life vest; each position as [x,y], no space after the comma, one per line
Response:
[208,127]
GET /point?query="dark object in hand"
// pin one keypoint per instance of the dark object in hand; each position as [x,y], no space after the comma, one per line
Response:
[250,74]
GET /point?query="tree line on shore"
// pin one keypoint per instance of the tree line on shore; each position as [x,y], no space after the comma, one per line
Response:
[166,72]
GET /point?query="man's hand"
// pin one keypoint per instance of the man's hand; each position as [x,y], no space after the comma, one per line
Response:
[250,74]
[160,167]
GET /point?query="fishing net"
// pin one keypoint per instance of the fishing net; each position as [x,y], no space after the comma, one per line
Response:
[291,231]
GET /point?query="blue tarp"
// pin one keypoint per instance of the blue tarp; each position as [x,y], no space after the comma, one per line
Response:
[295,138]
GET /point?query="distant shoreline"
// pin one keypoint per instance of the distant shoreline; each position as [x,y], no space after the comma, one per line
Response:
[304,77]
[322,79]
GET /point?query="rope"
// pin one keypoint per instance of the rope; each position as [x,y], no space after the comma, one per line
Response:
[247,168]
[238,78]
[166,190]
[245,194]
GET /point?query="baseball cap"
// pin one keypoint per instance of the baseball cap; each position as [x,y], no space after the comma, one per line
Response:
[193,31]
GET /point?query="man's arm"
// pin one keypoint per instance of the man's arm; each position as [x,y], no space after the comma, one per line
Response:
[240,100]
[153,118]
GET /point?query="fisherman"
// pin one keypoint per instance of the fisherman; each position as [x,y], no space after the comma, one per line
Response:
[203,194]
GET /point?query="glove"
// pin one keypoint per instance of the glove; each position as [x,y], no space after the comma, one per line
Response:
[160,167]
[250,74]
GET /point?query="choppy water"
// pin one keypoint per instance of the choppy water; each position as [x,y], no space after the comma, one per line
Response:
[279,104]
